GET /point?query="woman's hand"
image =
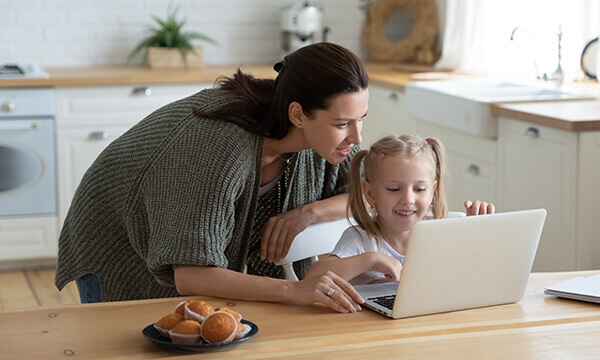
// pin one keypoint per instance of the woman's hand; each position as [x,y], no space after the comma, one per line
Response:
[387,265]
[328,289]
[280,231]
[479,208]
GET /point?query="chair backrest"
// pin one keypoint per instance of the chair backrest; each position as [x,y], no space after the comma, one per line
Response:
[318,239]
[315,240]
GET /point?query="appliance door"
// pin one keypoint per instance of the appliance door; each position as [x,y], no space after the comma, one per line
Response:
[27,175]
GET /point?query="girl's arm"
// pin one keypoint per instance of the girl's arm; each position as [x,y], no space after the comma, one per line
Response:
[479,208]
[224,283]
[350,267]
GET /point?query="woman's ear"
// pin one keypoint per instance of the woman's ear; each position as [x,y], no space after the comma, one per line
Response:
[295,113]
[368,192]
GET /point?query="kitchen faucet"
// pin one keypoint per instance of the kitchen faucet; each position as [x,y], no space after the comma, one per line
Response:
[557,75]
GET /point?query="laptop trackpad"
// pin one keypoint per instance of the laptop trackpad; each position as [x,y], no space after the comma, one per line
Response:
[370,290]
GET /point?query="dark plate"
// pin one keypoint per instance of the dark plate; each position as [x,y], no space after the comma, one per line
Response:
[153,335]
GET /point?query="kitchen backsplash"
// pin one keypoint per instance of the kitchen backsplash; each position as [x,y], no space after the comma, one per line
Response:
[65,33]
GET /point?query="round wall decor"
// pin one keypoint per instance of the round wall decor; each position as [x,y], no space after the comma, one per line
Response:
[422,38]
[588,59]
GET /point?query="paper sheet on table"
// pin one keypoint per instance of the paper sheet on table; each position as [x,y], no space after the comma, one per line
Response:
[579,288]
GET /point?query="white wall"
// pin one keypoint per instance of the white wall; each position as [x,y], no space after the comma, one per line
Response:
[66,33]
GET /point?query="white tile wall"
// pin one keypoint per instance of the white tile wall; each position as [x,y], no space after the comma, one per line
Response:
[57,33]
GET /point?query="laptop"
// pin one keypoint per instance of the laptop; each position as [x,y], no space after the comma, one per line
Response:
[461,263]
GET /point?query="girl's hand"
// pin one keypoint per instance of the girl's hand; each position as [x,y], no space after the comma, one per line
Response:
[479,208]
[280,231]
[344,298]
[387,265]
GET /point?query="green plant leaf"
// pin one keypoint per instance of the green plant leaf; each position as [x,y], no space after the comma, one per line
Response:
[168,32]
[192,35]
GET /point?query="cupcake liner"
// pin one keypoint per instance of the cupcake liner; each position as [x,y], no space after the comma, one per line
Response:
[164,332]
[190,315]
[241,334]
[183,339]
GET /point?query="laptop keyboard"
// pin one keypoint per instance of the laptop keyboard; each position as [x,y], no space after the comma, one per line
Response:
[386,301]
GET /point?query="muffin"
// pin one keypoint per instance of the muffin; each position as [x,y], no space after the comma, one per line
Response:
[242,330]
[219,327]
[167,322]
[198,310]
[187,332]
[181,307]
[236,315]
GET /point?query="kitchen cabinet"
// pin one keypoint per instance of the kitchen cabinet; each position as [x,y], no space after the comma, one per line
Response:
[543,167]
[471,164]
[88,119]
[27,238]
[588,201]
[386,115]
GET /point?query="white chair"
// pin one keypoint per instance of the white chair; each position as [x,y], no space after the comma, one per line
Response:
[315,240]
[319,239]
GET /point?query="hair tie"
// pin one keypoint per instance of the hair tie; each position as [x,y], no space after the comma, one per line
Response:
[278,67]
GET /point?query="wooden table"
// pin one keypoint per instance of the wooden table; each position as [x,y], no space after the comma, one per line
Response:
[539,326]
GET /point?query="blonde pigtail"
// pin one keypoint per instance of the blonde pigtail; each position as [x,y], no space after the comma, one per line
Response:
[439,205]
[357,204]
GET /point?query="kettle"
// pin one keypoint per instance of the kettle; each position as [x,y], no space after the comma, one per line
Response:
[301,25]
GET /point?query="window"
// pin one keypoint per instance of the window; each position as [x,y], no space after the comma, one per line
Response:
[477,35]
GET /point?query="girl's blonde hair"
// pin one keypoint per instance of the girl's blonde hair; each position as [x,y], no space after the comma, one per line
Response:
[408,147]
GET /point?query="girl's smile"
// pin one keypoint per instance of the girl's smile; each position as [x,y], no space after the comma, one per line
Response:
[401,191]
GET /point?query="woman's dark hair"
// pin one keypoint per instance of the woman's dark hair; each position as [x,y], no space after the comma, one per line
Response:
[311,76]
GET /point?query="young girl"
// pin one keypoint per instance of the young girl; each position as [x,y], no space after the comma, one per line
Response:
[404,182]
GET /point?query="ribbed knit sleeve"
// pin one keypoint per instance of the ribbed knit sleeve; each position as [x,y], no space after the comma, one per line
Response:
[191,193]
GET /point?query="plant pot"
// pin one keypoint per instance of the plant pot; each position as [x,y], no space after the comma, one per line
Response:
[168,58]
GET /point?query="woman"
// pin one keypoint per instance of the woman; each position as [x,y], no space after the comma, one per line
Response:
[219,181]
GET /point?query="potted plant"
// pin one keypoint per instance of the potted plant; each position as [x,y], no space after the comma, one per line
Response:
[168,46]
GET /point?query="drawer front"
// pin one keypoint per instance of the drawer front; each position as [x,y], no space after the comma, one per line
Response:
[480,148]
[119,105]
[28,238]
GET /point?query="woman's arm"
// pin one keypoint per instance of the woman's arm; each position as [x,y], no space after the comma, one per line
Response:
[280,230]
[224,283]
[350,267]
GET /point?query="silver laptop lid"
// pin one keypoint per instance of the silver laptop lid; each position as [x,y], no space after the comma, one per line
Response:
[454,264]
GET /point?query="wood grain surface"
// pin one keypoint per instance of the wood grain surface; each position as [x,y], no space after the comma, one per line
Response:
[539,326]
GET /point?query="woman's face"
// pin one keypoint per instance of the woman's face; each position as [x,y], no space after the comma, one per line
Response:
[334,131]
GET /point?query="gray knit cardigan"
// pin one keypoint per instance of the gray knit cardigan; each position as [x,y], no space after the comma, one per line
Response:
[176,190]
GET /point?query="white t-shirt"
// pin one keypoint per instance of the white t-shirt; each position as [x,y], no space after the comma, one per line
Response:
[355,242]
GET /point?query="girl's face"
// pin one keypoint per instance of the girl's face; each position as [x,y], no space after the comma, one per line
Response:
[401,191]
[334,131]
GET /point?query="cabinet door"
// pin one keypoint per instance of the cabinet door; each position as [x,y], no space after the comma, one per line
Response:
[471,165]
[588,199]
[77,149]
[537,167]
[27,238]
[386,116]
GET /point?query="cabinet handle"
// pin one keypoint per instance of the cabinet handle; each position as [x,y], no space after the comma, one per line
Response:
[8,106]
[532,132]
[141,90]
[98,135]
[393,96]
[20,126]
[473,169]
